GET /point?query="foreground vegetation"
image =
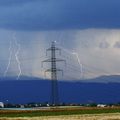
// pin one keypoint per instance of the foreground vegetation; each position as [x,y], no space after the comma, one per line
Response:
[109,116]
[57,112]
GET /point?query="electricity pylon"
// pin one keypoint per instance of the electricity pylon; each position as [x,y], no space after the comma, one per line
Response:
[53,70]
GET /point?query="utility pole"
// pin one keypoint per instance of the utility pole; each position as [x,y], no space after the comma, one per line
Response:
[53,70]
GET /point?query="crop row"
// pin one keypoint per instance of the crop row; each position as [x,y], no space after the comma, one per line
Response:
[55,112]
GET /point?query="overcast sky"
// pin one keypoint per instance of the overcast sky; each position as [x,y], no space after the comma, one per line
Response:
[91,28]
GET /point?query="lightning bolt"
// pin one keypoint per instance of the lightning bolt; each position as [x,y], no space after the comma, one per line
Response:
[78,59]
[9,61]
[16,56]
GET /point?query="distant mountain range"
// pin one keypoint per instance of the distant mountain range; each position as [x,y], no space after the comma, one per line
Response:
[104,89]
[101,79]
[104,79]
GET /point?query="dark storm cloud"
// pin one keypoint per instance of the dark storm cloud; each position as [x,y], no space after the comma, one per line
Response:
[13,2]
[59,14]
[117,44]
[104,45]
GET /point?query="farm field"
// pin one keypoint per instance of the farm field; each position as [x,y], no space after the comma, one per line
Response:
[107,116]
[84,113]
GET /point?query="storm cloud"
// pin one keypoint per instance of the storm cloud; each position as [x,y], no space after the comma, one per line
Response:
[91,28]
[59,14]
[6,3]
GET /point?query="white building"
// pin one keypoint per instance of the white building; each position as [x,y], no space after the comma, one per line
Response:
[101,105]
[2,104]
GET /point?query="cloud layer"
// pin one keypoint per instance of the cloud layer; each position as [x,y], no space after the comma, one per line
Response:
[89,27]
[60,14]
[98,51]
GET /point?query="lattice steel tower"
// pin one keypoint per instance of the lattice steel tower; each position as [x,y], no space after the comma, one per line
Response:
[53,70]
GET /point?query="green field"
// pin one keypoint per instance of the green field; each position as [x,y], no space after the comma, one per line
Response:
[57,112]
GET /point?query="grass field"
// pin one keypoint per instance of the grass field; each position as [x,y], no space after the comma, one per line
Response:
[57,112]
